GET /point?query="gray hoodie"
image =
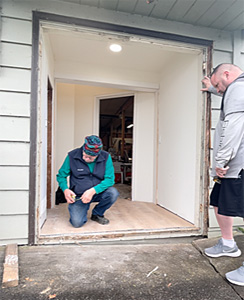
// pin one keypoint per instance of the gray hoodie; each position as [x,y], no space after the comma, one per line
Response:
[228,147]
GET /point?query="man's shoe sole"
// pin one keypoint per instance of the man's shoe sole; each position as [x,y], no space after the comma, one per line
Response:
[229,254]
[235,282]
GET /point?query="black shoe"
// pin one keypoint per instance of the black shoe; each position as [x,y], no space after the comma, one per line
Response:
[100,220]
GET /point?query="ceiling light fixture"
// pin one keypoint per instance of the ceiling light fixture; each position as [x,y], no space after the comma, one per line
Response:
[129,126]
[115,47]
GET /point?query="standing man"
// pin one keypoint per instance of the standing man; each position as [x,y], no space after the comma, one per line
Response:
[91,175]
[227,195]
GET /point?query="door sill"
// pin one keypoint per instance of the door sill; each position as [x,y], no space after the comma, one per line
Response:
[118,235]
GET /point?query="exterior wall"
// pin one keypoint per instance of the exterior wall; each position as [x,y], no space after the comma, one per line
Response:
[236,57]
[15,74]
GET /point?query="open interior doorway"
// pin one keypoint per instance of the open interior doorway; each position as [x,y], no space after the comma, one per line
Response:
[116,132]
[153,116]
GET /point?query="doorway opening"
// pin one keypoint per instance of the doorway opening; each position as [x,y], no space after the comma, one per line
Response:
[116,131]
[154,114]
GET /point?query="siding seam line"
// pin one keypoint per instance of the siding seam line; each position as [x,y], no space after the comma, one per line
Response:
[15,18]
[14,166]
[15,67]
[9,141]
[15,43]
[16,214]
[15,116]
[14,91]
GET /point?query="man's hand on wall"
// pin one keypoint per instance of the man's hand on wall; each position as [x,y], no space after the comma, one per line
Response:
[206,81]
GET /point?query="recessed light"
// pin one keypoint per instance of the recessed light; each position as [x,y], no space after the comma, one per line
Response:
[115,47]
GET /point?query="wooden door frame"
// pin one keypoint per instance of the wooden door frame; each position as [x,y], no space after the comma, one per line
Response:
[37,18]
[49,142]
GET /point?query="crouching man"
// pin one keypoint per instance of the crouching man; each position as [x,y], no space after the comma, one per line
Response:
[91,179]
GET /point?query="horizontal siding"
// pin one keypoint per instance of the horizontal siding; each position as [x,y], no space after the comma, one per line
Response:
[14,202]
[8,151]
[15,80]
[16,31]
[216,101]
[14,241]
[214,118]
[13,226]
[15,84]
[213,224]
[16,55]
[15,178]
[220,57]
[15,104]
[14,129]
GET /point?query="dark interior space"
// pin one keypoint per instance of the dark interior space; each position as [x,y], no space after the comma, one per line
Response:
[116,132]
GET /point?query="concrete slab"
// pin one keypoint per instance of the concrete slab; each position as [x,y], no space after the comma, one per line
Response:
[225,264]
[159,271]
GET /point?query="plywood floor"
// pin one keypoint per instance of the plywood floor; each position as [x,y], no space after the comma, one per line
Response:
[123,215]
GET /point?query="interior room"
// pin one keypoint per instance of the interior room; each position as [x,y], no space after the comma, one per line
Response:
[127,98]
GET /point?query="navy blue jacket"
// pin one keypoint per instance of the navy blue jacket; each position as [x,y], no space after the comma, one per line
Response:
[81,178]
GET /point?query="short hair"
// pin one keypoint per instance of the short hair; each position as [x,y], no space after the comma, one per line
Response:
[228,66]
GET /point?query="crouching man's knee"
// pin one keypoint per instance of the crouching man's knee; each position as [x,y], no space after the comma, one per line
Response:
[77,223]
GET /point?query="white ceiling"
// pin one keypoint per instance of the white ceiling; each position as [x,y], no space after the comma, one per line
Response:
[219,14]
[93,49]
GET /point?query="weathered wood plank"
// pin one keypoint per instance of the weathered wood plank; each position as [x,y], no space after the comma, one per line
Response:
[14,129]
[11,266]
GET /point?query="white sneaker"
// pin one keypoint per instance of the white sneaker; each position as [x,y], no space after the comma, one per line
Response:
[236,276]
[221,250]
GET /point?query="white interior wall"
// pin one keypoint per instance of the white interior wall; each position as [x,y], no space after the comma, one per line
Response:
[75,116]
[144,151]
[180,136]
[46,71]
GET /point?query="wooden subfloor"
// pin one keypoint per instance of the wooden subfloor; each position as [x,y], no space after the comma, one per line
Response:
[123,215]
